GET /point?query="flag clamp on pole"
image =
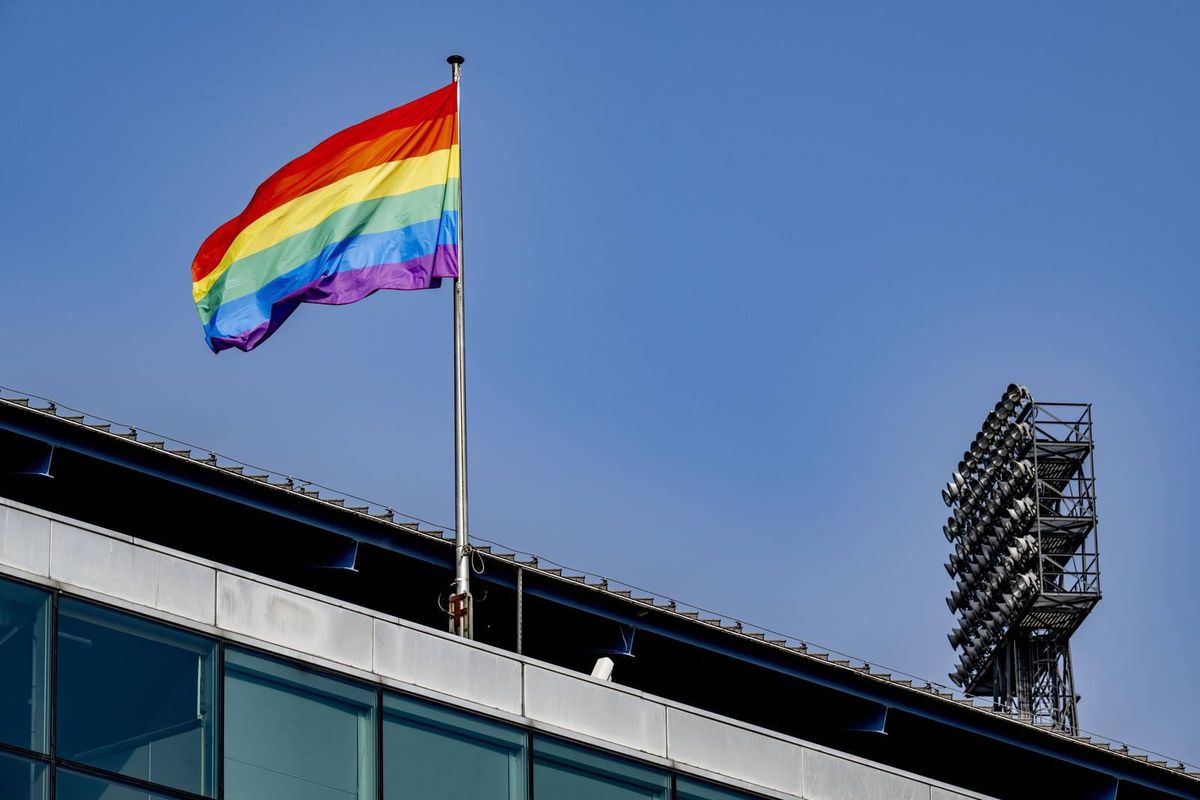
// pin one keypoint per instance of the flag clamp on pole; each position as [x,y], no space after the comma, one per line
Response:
[462,611]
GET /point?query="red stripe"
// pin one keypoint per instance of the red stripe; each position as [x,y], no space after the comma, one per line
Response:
[422,126]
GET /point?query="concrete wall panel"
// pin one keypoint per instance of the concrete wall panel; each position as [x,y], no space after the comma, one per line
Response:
[443,665]
[729,750]
[589,707]
[827,777]
[25,541]
[132,573]
[294,621]
[943,794]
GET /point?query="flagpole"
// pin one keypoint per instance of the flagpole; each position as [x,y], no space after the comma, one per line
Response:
[462,611]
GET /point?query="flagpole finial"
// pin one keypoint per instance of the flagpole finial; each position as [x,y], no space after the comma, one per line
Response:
[455,61]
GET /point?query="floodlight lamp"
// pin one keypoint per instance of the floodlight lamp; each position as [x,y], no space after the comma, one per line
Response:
[1025,583]
[1003,570]
[957,637]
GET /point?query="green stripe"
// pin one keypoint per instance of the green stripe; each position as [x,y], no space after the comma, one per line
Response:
[248,275]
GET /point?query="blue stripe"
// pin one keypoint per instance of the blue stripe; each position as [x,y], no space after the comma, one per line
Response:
[355,252]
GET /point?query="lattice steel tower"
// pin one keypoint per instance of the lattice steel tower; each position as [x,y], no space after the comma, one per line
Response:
[1026,555]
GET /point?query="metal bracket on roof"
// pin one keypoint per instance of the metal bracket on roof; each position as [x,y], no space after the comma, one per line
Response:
[345,558]
[29,457]
[872,719]
[621,644]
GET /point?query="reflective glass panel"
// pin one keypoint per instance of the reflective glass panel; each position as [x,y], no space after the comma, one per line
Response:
[136,697]
[24,684]
[77,786]
[567,772]
[296,734]
[688,789]
[21,779]
[434,752]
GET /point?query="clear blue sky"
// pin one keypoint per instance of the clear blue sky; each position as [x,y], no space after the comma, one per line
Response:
[744,279]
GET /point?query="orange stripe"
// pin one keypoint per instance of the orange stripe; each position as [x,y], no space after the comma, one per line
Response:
[423,126]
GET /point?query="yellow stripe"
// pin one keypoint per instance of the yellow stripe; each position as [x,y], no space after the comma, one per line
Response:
[307,211]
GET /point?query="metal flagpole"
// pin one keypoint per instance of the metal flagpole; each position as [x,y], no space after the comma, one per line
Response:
[462,612]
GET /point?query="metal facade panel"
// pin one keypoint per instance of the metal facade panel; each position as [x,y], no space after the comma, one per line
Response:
[25,541]
[443,665]
[293,621]
[591,708]
[827,777]
[136,574]
[729,750]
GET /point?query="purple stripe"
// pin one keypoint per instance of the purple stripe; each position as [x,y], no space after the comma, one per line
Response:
[350,286]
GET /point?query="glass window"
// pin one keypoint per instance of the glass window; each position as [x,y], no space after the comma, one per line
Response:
[296,734]
[136,697]
[77,786]
[24,685]
[567,772]
[688,789]
[21,778]
[435,752]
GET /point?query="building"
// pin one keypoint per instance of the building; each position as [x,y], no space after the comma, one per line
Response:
[173,625]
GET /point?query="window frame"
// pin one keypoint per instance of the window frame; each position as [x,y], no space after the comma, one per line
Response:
[39,743]
[600,763]
[463,725]
[161,632]
[315,682]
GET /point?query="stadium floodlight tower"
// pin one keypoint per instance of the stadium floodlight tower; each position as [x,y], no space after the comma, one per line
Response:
[1026,556]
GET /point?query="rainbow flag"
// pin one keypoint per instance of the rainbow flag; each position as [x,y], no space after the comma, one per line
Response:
[372,207]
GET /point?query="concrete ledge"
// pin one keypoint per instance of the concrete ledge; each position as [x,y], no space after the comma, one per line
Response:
[945,794]
[289,620]
[738,753]
[445,666]
[25,541]
[827,777]
[133,573]
[593,709]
